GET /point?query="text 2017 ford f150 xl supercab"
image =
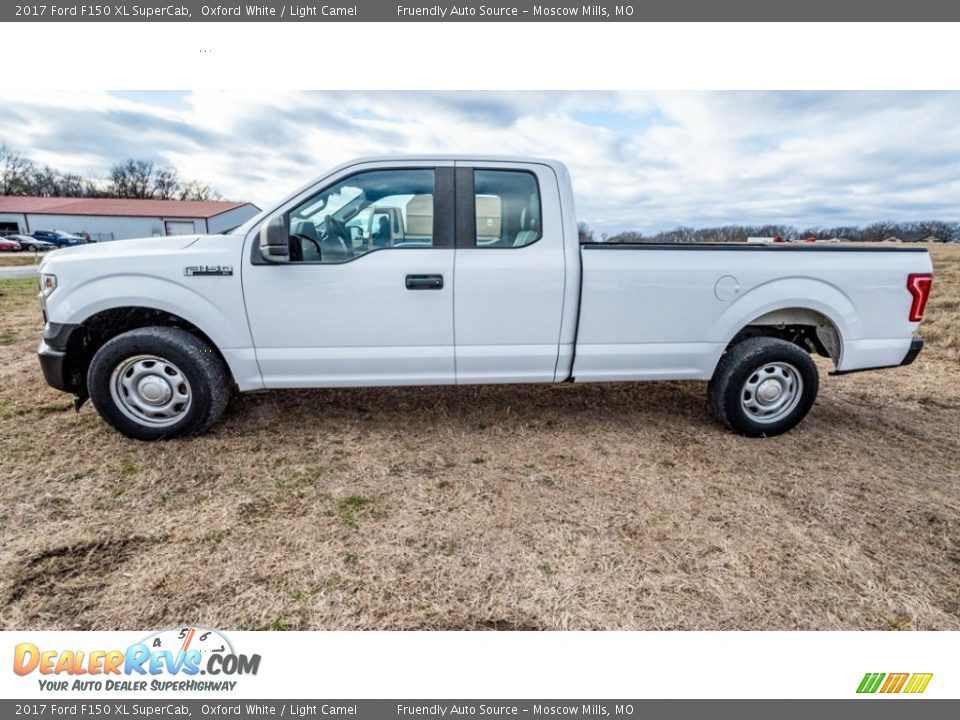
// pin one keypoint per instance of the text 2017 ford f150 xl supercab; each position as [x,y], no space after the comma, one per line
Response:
[439,270]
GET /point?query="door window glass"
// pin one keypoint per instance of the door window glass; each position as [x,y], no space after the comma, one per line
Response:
[507,208]
[368,211]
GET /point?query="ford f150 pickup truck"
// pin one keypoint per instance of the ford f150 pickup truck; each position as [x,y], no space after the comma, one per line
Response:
[440,270]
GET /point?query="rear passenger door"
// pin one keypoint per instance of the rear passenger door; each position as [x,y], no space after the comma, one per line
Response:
[509,273]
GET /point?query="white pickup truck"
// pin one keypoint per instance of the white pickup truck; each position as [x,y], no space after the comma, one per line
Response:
[439,270]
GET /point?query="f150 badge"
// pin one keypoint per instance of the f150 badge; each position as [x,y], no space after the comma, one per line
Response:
[208,270]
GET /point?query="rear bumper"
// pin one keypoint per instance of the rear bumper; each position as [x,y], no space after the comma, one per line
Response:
[915,347]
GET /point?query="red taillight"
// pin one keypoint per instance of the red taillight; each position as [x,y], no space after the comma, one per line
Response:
[919,286]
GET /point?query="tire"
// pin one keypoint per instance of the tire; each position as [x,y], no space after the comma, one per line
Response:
[158,383]
[28,248]
[763,387]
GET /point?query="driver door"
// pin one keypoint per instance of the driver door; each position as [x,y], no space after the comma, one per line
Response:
[354,310]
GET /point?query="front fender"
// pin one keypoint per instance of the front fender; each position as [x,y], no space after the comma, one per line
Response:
[218,311]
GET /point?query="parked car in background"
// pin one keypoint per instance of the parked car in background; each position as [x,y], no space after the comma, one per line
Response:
[31,244]
[9,245]
[59,238]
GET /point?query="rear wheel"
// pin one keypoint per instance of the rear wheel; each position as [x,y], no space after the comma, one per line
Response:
[763,387]
[158,383]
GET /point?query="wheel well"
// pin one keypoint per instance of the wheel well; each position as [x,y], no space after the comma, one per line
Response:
[811,330]
[97,329]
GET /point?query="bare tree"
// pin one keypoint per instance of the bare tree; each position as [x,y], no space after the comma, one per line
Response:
[76,186]
[942,231]
[195,190]
[584,233]
[627,237]
[143,179]
[166,183]
[874,232]
[14,171]
[42,182]
[131,179]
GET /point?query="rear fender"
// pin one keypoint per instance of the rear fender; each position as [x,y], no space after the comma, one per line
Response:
[786,294]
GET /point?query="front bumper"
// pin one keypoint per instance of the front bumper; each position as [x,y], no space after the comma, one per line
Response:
[53,363]
[52,354]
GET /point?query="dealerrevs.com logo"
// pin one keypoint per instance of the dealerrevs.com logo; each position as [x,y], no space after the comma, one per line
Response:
[181,659]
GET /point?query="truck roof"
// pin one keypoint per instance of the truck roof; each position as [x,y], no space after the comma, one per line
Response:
[450,157]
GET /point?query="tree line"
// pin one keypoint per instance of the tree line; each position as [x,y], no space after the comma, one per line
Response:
[137,179]
[874,232]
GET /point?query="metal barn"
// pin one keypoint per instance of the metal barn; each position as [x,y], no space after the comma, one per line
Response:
[105,219]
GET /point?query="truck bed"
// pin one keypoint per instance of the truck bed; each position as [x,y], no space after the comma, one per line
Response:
[668,310]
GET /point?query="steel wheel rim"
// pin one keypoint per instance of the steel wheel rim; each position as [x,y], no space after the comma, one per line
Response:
[151,390]
[771,392]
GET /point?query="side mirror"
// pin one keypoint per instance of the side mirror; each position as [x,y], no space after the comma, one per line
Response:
[275,240]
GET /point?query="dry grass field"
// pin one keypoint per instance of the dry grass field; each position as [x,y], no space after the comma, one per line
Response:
[571,507]
[19,259]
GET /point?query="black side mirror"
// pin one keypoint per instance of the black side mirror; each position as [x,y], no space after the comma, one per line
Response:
[275,240]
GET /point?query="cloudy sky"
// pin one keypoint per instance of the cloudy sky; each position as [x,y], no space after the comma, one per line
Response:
[644,161]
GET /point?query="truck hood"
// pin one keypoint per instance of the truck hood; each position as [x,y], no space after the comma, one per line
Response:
[120,250]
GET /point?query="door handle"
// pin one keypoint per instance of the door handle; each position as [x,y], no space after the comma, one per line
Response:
[424,282]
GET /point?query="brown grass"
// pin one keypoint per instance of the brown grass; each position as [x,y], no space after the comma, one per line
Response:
[19,259]
[595,506]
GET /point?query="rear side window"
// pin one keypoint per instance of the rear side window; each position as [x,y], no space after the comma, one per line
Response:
[507,208]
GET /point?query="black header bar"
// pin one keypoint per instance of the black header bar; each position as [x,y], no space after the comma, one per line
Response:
[494,11]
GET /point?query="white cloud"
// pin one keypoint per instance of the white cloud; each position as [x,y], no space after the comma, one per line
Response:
[639,160]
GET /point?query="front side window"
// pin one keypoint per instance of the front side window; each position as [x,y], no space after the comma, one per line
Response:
[365,212]
[507,205]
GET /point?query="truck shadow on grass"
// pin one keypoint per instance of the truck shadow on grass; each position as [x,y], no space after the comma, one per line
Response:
[475,407]
[667,407]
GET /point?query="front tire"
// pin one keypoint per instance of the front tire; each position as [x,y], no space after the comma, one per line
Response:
[763,387]
[158,383]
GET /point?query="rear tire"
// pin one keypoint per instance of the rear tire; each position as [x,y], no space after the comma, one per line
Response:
[763,387]
[158,383]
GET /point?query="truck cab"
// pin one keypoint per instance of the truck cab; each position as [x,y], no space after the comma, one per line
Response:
[386,305]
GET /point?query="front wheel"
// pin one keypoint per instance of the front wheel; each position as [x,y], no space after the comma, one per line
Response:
[763,387]
[158,383]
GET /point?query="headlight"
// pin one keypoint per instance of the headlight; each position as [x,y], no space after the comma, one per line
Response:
[48,283]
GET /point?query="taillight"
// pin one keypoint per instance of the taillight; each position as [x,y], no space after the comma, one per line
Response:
[919,286]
